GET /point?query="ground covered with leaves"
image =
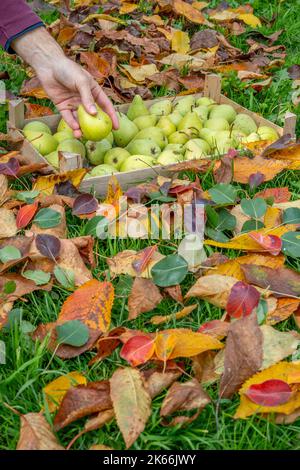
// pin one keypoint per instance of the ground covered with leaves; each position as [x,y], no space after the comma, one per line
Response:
[130,342]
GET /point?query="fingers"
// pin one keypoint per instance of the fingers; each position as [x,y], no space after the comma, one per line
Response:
[71,120]
[84,88]
[105,103]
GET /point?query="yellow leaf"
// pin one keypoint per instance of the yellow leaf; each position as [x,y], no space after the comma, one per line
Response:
[190,13]
[153,19]
[285,308]
[272,217]
[200,5]
[250,20]
[158,319]
[127,8]
[101,16]
[284,371]
[122,263]
[180,42]
[46,184]
[245,242]
[56,390]
[139,73]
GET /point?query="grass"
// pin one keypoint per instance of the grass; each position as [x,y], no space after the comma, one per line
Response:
[30,366]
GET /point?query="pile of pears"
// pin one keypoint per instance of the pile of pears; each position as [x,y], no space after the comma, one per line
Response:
[163,134]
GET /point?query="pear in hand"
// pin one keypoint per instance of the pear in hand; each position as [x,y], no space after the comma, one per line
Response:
[94,127]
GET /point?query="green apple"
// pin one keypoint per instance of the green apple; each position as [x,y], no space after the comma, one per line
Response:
[185,105]
[197,148]
[36,126]
[101,170]
[137,108]
[126,132]
[63,135]
[43,142]
[142,122]
[116,156]
[244,123]
[267,133]
[52,159]
[72,146]
[224,111]
[96,150]
[137,162]
[166,125]
[161,108]
[94,127]
[110,138]
[144,147]
[153,133]
[217,124]
[167,157]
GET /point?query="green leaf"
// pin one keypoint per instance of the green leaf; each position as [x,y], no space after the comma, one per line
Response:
[212,216]
[9,253]
[262,311]
[47,218]
[216,235]
[91,227]
[255,208]
[222,193]
[65,277]
[74,332]
[27,196]
[14,316]
[252,224]
[170,271]
[291,244]
[9,287]
[226,220]
[37,276]
[160,197]
[291,216]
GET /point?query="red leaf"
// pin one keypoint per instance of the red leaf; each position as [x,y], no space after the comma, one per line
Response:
[277,194]
[271,243]
[138,350]
[216,328]
[243,298]
[269,393]
[26,214]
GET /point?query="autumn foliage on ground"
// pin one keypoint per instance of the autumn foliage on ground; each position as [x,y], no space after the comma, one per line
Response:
[143,324]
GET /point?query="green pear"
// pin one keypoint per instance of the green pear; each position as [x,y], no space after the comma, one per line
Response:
[209,136]
[197,148]
[177,148]
[63,126]
[137,162]
[144,147]
[179,137]
[101,170]
[253,137]
[126,132]
[217,124]
[96,150]
[224,142]
[175,117]
[142,122]
[137,108]
[190,121]
[166,125]
[116,156]
[94,127]
[224,111]
[72,146]
[167,157]
[52,159]
[36,126]
[153,133]
[184,105]
[267,133]
[202,112]
[161,108]
[204,101]
[110,138]
[244,123]
[63,135]
[43,142]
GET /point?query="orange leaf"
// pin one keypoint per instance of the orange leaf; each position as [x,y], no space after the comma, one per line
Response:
[26,214]
[190,13]
[244,167]
[98,67]
[36,110]
[127,8]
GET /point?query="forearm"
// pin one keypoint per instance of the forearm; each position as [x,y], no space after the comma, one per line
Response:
[38,49]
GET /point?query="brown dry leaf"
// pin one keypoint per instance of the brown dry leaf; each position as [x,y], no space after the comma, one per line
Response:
[36,434]
[215,288]
[283,282]
[140,73]
[144,296]
[158,319]
[204,367]
[23,286]
[243,354]
[180,42]
[56,390]
[32,87]
[97,66]
[233,266]
[3,188]
[282,371]
[284,309]
[184,396]
[157,381]
[148,45]
[192,14]
[8,223]
[153,19]
[175,293]
[131,403]
[81,401]
[277,345]
[122,263]
[66,35]
[243,167]
[46,184]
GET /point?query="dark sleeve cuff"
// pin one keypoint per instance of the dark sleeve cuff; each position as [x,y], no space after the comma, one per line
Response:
[7,45]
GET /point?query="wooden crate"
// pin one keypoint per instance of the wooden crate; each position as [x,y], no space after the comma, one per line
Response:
[98,184]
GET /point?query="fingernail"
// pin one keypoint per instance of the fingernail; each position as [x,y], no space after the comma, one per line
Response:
[93,109]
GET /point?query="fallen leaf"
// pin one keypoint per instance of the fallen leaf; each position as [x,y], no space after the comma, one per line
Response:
[8,223]
[214,288]
[46,184]
[269,393]
[123,263]
[158,319]
[283,282]
[284,309]
[270,243]
[277,345]
[56,390]
[36,434]
[216,328]
[185,9]
[144,296]
[138,350]
[242,299]
[180,42]
[25,215]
